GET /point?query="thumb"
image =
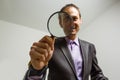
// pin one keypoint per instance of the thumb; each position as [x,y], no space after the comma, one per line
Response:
[53,41]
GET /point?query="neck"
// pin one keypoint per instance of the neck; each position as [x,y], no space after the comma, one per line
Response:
[71,37]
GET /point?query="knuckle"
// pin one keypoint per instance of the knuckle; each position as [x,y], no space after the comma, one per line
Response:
[46,45]
[31,52]
[45,53]
[42,57]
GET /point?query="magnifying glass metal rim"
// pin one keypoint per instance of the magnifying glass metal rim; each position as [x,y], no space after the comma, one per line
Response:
[49,21]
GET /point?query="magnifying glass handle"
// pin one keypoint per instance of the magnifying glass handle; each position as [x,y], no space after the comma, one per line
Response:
[53,37]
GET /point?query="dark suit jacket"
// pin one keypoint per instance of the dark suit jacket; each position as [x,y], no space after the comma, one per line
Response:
[61,66]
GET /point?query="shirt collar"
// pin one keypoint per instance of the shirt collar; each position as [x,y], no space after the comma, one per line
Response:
[75,40]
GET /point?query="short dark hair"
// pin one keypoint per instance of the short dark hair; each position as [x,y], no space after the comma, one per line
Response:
[71,5]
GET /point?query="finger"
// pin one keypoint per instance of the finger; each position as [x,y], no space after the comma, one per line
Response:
[49,40]
[49,55]
[53,41]
[40,44]
[35,55]
[38,65]
[41,47]
[41,50]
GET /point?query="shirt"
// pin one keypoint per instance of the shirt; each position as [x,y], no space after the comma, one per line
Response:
[74,48]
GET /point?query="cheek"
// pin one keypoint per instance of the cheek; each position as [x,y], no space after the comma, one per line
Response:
[66,30]
[66,26]
[79,24]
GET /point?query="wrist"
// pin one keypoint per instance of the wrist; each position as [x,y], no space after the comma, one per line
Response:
[37,67]
[34,71]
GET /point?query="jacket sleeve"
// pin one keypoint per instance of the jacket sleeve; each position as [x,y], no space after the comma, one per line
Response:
[96,72]
[33,74]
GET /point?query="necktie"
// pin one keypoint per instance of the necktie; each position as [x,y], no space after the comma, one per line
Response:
[72,44]
[74,49]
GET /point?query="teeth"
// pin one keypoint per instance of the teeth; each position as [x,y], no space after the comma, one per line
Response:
[73,27]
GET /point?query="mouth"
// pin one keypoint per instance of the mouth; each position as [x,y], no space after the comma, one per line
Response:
[72,27]
[71,31]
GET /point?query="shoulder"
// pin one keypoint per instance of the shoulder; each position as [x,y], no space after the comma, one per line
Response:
[86,43]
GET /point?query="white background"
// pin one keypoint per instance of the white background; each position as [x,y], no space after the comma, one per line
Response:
[104,32]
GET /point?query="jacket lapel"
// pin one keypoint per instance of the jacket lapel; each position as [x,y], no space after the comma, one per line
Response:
[84,52]
[68,57]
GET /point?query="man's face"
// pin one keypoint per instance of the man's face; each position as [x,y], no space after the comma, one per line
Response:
[76,21]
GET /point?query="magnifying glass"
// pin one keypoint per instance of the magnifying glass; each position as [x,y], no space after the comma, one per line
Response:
[57,21]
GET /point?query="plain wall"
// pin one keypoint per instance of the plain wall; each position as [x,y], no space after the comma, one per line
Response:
[15,42]
[104,32]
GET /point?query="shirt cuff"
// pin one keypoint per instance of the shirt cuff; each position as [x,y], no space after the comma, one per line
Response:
[35,77]
[34,74]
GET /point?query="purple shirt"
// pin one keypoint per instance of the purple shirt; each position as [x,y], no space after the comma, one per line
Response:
[74,48]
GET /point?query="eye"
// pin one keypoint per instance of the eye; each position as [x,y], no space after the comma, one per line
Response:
[67,18]
[74,18]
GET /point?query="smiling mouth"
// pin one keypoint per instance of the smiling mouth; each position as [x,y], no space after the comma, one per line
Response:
[73,30]
[72,27]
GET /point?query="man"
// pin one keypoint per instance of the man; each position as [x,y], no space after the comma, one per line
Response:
[68,58]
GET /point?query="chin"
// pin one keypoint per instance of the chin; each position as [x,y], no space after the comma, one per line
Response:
[73,33]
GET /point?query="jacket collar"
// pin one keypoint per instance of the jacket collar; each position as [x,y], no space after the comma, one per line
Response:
[66,53]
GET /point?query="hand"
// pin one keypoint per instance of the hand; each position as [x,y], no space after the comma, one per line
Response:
[41,52]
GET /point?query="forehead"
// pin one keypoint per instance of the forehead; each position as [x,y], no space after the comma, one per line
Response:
[72,11]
